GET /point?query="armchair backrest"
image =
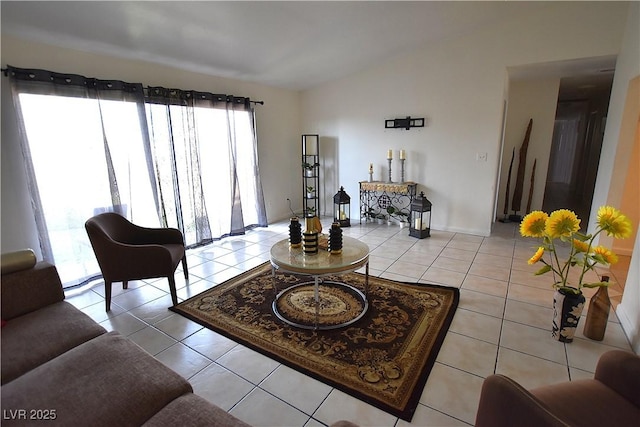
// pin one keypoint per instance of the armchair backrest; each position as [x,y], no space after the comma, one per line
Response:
[110,226]
[107,232]
[126,251]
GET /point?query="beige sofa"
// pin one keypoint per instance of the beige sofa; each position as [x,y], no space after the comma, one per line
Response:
[60,366]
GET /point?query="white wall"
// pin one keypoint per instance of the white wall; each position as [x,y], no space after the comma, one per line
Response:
[458,85]
[608,189]
[531,99]
[278,127]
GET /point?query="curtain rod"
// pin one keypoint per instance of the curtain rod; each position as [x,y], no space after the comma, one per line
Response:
[5,71]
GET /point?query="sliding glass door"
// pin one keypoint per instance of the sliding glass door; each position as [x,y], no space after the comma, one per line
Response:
[71,171]
[169,158]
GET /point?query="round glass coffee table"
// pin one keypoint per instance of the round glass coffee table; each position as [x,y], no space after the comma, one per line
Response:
[319,293]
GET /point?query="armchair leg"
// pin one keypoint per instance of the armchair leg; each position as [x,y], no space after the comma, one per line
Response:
[107,294]
[185,270]
[125,284]
[172,289]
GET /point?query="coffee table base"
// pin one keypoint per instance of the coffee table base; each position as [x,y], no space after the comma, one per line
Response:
[316,299]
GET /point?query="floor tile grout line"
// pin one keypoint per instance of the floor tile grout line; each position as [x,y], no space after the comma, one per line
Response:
[388,237]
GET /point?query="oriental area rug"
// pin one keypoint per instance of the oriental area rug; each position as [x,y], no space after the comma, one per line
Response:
[384,358]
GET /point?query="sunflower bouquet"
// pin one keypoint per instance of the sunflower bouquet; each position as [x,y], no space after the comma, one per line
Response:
[564,225]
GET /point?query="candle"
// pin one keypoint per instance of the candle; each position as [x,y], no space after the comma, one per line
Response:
[417,224]
[390,154]
[402,155]
[370,167]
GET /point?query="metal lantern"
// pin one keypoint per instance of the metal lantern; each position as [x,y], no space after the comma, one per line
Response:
[342,208]
[420,217]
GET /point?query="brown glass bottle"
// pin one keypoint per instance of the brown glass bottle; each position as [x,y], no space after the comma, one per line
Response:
[598,313]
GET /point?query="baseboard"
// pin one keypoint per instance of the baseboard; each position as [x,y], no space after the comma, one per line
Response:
[624,252]
[630,329]
[482,233]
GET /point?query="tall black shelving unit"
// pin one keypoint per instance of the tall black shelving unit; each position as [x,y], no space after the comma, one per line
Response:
[311,175]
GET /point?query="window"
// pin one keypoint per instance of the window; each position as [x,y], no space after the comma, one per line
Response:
[68,156]
[92,146]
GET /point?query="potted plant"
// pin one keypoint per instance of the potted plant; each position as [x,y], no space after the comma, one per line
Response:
[369,215]
[308,169]
[400,217]
[311,192]
[562,227]
[381,218]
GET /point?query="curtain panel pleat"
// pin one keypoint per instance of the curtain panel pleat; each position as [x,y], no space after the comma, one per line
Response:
[213,206]
[69,216]
[165,96]
[170,157]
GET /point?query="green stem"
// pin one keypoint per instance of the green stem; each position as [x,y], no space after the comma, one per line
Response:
[561,272]
[585,265]
[553,269]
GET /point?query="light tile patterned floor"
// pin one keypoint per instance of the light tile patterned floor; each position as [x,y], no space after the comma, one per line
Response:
[502,325]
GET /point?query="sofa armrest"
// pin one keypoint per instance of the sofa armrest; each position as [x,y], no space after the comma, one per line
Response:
[28,290]
[505,403]
[17,260]
[620,371]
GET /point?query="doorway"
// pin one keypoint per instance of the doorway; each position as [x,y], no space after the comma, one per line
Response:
[576,146]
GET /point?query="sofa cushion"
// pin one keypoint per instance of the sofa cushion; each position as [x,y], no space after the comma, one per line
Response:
[37,337]
[194,411]
[29,290]
[107,381]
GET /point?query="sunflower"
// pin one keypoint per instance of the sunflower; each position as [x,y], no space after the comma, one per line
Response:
[536,257]
[562,223]
[580,245]
[584,255]
[613,222]
[605,253]
[533,224]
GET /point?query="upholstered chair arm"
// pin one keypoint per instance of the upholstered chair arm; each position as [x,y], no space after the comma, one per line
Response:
[144,235]
[620,371]
[505,403]
[27,290]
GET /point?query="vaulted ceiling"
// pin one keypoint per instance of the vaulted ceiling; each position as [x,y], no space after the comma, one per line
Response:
[292,44]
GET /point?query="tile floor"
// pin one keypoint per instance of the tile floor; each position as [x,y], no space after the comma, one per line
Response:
[502,325]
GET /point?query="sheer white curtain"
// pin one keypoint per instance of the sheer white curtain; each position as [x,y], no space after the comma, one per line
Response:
[214,189]
[93,145]
[563,150]
[84,149]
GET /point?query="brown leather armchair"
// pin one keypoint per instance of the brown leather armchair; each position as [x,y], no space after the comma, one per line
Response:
[126,252]
[611,398]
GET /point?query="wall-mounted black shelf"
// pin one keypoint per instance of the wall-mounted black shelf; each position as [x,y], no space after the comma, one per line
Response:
[406,123]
